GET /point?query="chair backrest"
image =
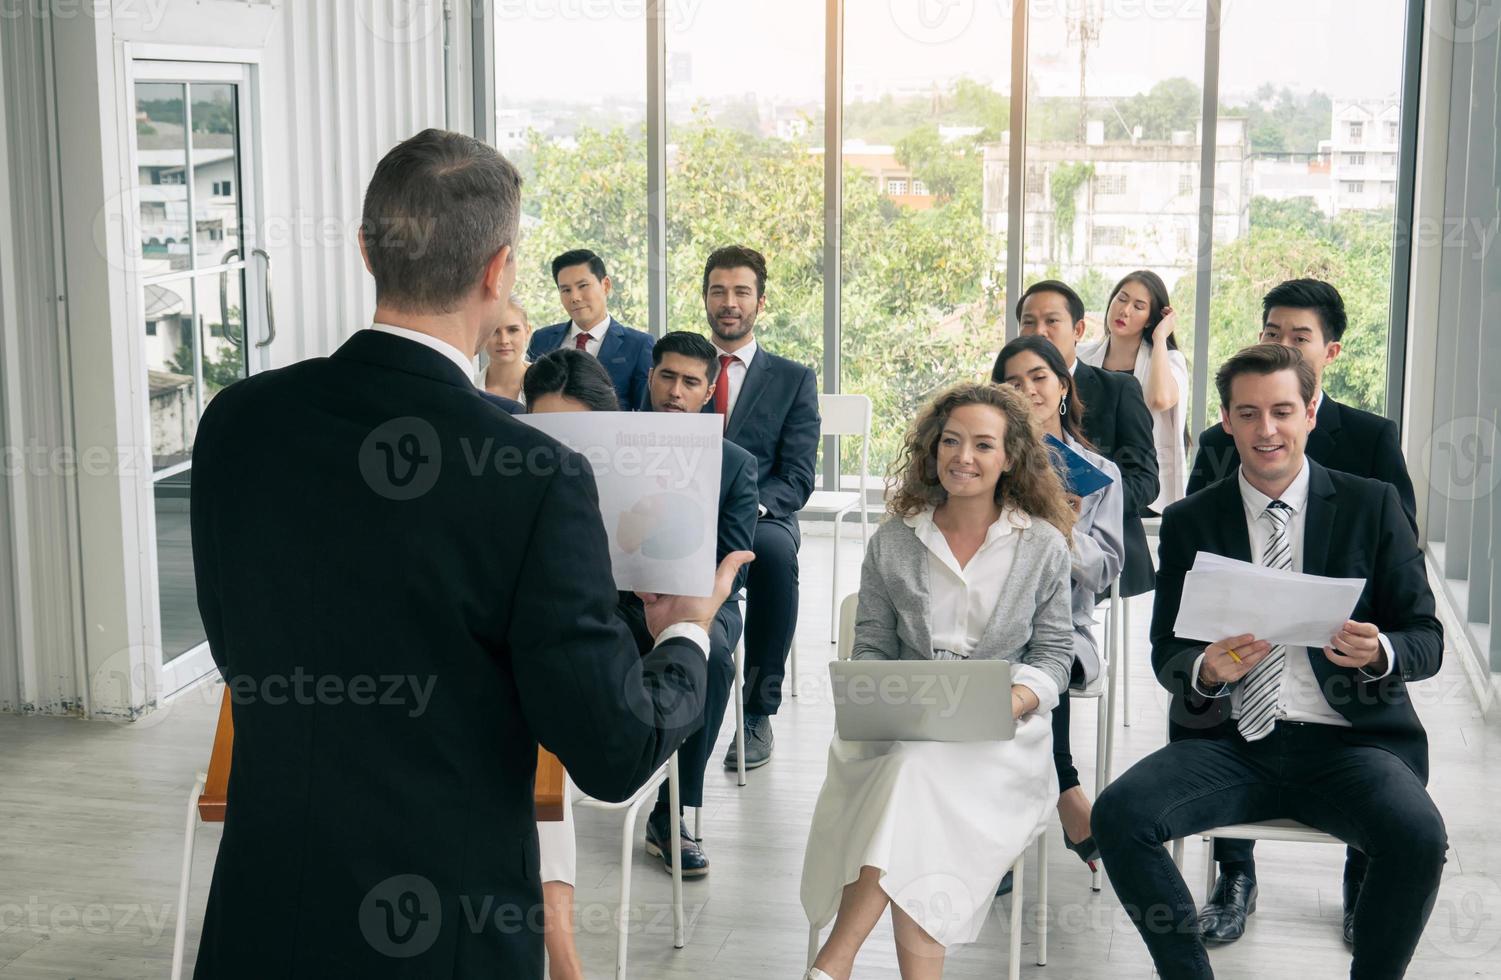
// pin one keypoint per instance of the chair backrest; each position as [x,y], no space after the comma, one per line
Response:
[845,415]
[847,611]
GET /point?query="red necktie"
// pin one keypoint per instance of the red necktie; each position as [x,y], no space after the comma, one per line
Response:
[722,390]
[581,342]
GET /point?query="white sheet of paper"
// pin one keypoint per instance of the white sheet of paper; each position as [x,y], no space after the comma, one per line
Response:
[1223,597]
[658,480]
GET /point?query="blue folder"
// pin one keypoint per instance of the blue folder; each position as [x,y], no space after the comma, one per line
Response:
[1080,476]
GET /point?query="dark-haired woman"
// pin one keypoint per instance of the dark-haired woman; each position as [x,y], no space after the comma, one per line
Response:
[1139,325]
[1034,366]
[973,563]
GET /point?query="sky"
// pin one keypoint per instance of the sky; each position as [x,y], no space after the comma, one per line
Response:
[576,50]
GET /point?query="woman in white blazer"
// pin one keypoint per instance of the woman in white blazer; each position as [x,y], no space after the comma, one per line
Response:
[973,564]
[1139,327]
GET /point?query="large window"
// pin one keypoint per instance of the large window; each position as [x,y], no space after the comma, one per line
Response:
[1304,180]
[571,113]
[925,105]
[1314,209]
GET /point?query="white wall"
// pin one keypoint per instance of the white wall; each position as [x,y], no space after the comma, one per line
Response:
[338,83]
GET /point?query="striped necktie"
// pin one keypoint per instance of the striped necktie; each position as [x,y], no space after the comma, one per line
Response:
[1258,698]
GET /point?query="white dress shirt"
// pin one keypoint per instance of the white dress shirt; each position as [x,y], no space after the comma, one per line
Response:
[736,372]
[596,336]
[689,631]
[1300,697]
[462,362]
[962,600]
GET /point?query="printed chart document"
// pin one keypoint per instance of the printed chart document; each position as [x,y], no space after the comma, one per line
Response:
[658,479]
[1224,597]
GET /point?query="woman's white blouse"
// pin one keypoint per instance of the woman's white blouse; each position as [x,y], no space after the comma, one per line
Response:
[964,599]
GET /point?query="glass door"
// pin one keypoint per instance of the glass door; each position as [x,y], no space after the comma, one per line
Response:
[202,308]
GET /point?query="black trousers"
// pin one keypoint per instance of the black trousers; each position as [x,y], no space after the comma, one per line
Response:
[770,613]
[1362,795]
[1063,756]
[693,754]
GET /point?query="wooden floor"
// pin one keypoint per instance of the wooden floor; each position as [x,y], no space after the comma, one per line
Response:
[91,823]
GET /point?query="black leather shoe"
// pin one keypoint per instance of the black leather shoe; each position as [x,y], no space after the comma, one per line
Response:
[757,743]
[658,829]
[1223,920]
[1005,887]
[1352,898]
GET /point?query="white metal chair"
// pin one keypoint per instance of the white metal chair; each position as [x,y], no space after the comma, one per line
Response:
[632,807]
[846,640]
[1282,829]
[843,415]
[737,695]
[180,933]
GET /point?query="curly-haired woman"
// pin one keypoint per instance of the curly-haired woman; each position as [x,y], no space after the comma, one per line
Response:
[973,563]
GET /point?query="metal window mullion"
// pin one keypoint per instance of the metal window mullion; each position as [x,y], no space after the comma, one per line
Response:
[1407,167]
[656,167]
[1016,161]
[188,179]
[833,212]
[482,69]
[1208,152]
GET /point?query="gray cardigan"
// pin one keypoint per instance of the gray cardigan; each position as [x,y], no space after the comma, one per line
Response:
[1032,623]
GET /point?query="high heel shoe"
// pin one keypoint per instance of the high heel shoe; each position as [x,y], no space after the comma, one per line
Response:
[1087,849]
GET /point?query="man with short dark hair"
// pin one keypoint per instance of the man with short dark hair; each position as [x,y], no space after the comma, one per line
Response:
[770,405]
[1116,418]
[1307,315]
[685,370]
[1261,731]
[344,535]
[584,289]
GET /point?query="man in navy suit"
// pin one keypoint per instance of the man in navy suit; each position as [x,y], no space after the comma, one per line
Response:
[1309,316]
[584,288]
[685,368]
[771,409]
[1260,731]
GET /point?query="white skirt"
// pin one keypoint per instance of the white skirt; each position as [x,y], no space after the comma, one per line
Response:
[942,821]
[557,849]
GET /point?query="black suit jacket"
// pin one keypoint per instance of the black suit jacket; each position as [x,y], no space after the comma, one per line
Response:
[1117,421]
[508,405]
[365,516]
[776,421]
[1343,438]
[1354,528]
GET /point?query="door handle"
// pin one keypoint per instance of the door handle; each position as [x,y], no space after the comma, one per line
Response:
[224,300]
[270,308]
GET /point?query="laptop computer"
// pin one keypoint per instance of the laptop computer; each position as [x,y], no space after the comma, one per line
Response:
[922,700]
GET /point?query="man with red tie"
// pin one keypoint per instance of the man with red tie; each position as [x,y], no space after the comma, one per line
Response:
[770,405]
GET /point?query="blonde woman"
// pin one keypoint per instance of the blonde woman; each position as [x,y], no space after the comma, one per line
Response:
[973,563]
[507,350]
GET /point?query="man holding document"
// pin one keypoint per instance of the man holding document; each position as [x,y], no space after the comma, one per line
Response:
[1262,726]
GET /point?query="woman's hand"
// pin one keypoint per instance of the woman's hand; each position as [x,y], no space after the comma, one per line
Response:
[1165,326]
[1023,700]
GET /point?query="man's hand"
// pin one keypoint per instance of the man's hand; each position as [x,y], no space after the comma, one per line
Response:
[1358,645]
[1231,659]
[663,611]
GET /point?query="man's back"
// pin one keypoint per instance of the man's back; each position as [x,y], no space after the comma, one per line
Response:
[372,540]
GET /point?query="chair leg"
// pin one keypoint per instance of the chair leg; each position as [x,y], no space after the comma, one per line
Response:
[675,828]
[1014,959]
[1104,740]
[1209,867]
[627,854]
[698,823]
[1042,899]
[180,933]
[1125,649]
[812,945]
[834,586]
[740,709]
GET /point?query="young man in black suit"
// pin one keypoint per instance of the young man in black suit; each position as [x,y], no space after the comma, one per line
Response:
[685,370]
[1116,418]
[584,289]
[1325,736]
[1309,316]
[406,590]
[770,406]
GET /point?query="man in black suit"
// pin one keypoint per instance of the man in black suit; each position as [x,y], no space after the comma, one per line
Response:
[685,368]
[1309,316]
[406,590]
[771,410]
[1326,737]
[584,289]
[1116,418]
